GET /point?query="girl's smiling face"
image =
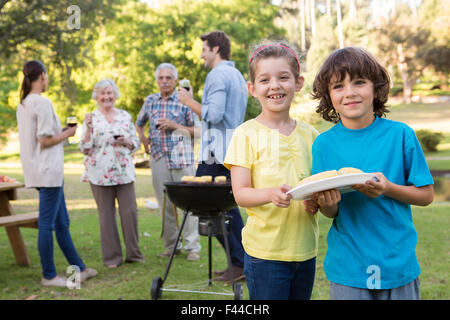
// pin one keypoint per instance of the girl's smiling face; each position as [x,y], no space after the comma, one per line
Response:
[275,84]
[353,100]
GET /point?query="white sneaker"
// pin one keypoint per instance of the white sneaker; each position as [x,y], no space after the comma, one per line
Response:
[55,282]
[87,274]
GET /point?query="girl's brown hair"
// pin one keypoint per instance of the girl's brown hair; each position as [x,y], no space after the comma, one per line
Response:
[357,62]
[31,71]
[274,49]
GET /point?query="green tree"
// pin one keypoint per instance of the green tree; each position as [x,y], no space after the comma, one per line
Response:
[58,32]
[413,45]
[132,46]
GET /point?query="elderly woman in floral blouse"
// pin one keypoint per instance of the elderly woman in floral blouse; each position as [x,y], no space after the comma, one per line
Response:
[108,140]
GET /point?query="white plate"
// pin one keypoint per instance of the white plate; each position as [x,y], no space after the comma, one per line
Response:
[342,182]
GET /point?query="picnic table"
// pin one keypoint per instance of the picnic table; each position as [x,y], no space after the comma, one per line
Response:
[12,222]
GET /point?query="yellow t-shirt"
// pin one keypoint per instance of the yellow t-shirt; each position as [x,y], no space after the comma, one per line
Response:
[273,233]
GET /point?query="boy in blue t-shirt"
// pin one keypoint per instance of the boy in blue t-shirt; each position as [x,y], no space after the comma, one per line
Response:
[371,243]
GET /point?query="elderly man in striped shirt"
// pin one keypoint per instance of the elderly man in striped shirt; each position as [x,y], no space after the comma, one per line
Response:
[170,133]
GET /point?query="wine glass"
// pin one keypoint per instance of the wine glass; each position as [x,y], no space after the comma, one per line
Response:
[184,83]
[72,122]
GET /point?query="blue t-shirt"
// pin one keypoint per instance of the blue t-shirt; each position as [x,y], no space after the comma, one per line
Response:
[371,243]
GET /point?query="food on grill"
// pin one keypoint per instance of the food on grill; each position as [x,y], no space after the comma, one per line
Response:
[220,179]
[203,179]
[206,178]
[187,178]
[349,170]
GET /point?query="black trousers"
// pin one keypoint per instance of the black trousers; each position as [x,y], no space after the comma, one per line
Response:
[235,236]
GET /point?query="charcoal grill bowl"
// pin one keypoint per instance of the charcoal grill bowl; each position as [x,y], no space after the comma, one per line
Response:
[209,202]
[202,199]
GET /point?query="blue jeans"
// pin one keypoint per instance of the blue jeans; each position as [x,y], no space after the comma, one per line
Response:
[235,236]
[53,216]
[279,280]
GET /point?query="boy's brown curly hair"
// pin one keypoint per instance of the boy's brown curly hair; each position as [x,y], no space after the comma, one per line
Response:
[357,62]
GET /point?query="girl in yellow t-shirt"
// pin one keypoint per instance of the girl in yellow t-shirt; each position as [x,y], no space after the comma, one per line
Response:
[267,155]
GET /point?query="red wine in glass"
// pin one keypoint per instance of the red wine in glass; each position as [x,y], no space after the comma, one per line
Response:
[185,83]
[72,121]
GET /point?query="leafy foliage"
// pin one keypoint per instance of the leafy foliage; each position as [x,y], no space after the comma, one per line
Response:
[429,140]
[122,40]
[126,40]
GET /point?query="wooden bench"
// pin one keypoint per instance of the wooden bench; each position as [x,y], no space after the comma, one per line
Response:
[27,220]
[13,222]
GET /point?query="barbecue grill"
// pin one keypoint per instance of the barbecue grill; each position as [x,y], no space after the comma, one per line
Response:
[208,201]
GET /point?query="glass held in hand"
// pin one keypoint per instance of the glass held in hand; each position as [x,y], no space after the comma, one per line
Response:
[72,121]
[185,83]
[117,133]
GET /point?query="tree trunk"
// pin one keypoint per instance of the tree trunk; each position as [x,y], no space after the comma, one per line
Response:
[308,19]
[352,11]
[313,17]
[408,82]
[339,23]
[302,24]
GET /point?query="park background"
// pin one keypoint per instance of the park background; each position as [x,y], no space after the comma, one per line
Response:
[126,40]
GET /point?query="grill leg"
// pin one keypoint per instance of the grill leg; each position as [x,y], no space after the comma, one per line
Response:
[175,247]
[227,249]
[209,261]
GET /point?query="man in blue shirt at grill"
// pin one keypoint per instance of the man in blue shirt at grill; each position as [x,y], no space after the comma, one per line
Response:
[222,109]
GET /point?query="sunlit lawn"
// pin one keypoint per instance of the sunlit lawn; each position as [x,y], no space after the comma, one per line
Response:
[132,281]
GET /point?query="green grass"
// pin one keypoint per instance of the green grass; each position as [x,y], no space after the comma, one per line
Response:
[132,281]
[129,281]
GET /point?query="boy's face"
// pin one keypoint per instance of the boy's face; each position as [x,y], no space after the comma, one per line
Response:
[353,100]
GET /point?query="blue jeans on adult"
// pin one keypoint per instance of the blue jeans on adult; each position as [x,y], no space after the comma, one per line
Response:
[235,236]
[53,216]
[279,280]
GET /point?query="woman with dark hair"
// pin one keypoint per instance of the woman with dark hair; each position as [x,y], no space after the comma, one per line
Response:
[42,154]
